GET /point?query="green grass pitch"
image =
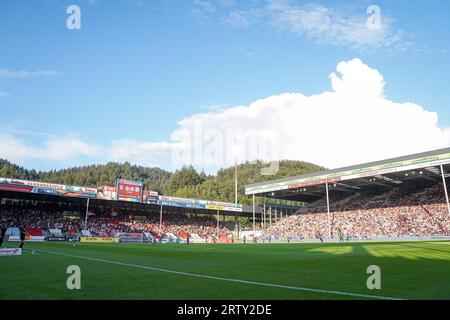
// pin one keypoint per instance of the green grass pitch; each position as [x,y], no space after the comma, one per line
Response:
[409,270]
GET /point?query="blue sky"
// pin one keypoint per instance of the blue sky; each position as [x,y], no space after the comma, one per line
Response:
[136,68]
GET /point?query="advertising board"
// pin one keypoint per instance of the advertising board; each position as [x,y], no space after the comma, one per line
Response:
[129,190]
[46,188]
[98,239]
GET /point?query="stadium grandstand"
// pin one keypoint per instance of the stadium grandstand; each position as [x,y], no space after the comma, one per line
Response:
[400,198]
[125,212]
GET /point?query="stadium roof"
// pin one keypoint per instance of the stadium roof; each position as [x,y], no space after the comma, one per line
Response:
[246,209]
[413,170]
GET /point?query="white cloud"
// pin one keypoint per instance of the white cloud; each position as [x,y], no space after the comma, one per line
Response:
[205,5]
[4,94]
[352,123]
[237,19]
[24,74]
[202,11]
[52,149]
[331,26]
[67,148]
[325,25]
[145,153]
[14,149]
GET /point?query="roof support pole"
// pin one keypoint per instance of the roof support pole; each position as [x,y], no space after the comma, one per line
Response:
[87,214]
[270,216]
[235,185]
[328,210]
[264,213]
[254,225]
[445,188]
[160,219]
[236,224]
[218,219]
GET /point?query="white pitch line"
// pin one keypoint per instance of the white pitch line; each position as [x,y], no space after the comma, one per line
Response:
[263,284]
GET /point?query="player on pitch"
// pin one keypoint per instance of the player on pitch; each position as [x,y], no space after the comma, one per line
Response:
[2,234]
[23,236]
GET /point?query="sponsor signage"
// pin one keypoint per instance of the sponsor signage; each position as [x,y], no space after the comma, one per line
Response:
[56,238]
[27,238]
[10,187]
[150,197]
[10,252]
[46,188]
[35,238]
[129,190]
[125,190]
[106,193]
[98,239]
[131,237]
[198,204]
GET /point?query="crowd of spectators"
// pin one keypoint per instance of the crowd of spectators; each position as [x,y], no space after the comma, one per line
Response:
[393,214]
[107,223]
[179,225]
[38,215]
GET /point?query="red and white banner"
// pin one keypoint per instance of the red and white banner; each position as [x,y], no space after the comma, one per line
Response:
[10,252]
[27,239]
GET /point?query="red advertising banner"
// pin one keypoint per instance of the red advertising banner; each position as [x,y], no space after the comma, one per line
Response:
[9,187]
[128,190]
